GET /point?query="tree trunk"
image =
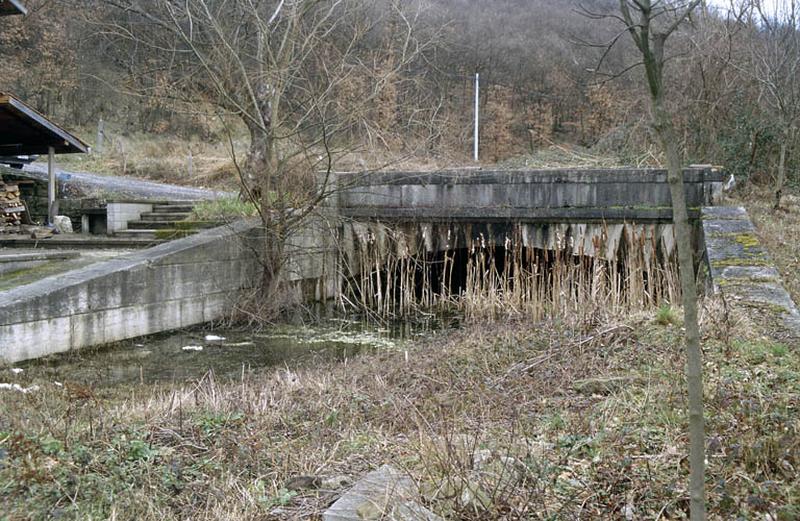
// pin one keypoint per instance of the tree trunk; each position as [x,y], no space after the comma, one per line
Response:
[260,176]
[651,45]
[662,123]
[257,162]
[781,179]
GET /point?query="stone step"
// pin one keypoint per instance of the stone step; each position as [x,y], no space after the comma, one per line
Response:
[153,234]
[173,208]
[165,225]
[165,216]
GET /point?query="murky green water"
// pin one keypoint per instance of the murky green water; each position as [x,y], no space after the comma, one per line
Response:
[39,270]
[188,355]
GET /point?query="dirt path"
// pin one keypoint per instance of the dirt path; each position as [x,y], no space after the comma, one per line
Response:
[113,186]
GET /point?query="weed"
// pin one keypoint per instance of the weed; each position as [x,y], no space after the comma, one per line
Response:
[666,316]
[282,498]
[223,209]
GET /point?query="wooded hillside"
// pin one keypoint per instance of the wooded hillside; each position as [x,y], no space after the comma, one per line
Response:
[733,73]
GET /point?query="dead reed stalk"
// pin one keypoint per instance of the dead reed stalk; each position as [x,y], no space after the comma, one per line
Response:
[394,275]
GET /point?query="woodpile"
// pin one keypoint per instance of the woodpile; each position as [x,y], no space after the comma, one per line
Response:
[12,209]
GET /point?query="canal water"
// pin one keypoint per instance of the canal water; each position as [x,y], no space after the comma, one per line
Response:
[189,354]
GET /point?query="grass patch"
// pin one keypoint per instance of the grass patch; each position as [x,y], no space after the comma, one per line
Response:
[666,315]
[223,209]
[162,158]
[487,419]
[761,351]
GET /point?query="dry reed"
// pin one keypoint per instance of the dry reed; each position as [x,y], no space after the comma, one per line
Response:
[392,274]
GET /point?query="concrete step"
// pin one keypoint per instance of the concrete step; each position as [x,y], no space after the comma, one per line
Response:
[151,225]
[95,242]
[173,208]
[167,234]
[165,216]
[166,225]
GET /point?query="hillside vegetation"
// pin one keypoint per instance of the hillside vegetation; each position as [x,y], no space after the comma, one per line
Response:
[537,60]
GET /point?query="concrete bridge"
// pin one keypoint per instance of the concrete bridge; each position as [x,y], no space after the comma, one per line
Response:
[198,279]
[544,209]
[611,195]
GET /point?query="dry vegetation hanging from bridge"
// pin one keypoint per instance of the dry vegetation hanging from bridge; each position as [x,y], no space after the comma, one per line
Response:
[530,271]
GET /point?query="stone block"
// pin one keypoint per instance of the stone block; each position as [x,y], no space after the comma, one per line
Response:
[385,494]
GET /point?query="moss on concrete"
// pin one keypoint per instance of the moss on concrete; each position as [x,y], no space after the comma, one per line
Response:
[194,225]
[741,261]
[735,281]
[748,240]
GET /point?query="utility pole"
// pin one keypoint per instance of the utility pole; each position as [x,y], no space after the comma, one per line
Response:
[52,210]
[476,138]
[98,144]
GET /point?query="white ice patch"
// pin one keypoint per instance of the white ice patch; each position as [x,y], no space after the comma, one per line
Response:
[214,338]
[16,370]
[354,338]
[18,388]
[311,336]
[192,348]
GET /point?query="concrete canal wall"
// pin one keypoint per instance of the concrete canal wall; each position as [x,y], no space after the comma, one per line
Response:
[174,285]
[177,284]
[741,270]
[202,277]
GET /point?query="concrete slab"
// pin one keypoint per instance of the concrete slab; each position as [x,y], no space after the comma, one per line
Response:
[18,268]
[742,270]
[77,241]
[9,256]
[559,195]
[386,493]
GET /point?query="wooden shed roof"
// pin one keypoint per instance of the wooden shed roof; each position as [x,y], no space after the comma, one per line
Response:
[9,7]
[24,131]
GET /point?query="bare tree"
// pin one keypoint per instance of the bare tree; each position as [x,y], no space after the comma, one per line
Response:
[298,74]
[775,64]
[650,23]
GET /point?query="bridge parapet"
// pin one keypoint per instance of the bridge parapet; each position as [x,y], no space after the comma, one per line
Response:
[559,195]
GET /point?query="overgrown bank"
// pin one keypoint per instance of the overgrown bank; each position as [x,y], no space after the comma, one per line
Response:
[591,413]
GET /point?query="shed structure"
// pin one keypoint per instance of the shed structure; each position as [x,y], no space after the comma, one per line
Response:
[11,7]
[24,131]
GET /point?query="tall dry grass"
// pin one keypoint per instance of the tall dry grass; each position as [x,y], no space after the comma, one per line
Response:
[394,275]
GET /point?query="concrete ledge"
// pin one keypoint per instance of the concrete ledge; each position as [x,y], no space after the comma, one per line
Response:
[584,195]
[500,214]
[80,241]
[544,176]
[174,285]
[742,270]
[135,200]
[37,256]
[15,262]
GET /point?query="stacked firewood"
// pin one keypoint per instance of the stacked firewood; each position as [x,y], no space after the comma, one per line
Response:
[11,208]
